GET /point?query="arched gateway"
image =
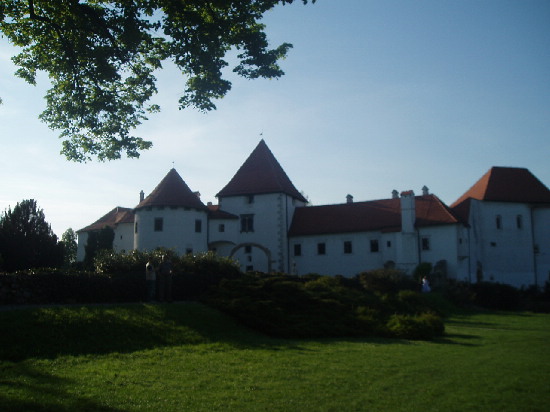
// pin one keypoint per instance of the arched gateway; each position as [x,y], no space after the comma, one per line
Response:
[263,248]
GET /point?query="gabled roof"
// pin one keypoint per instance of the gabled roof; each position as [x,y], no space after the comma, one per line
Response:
[377,215]
[172,191]
[506,184]
[261,173]
[115,217]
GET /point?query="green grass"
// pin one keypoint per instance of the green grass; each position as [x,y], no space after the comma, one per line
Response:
[187,357]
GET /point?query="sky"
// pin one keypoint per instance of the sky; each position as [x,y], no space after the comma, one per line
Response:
[377,95]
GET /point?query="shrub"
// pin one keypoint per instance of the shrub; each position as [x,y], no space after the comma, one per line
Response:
[459,293]
[496,296]
[386,281]
[316,306]
[423,269]
[424,326]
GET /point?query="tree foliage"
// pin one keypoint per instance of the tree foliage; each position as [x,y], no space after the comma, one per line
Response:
[97,241]
[101,56]
[27,240]
[70,246]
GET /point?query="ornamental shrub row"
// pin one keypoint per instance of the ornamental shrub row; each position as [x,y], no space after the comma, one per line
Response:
[315,306]
[117,278]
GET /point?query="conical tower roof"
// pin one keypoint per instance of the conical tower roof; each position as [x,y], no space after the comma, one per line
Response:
[172,191]
[261,173]
[507,184]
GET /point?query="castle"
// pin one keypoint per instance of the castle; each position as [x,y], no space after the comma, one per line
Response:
[499,230]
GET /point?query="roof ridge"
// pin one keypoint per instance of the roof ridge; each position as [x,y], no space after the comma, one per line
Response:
[172,191]
[261,173]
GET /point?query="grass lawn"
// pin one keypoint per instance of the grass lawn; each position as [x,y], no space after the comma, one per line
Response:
[187,357]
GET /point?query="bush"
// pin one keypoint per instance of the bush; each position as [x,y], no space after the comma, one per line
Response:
[386,281]
[425,326]
[496,296]
[118,278]
[423,269]
[315,306]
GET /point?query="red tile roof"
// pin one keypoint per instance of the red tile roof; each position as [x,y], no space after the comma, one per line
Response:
[172,191]
[377,215]
[261,173]
[115,217]
[214,212]
[506,184]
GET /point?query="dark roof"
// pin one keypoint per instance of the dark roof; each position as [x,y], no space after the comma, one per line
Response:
[172,191]
[377,215]
[506,184]
[112,219]
[214,212]
[261,173]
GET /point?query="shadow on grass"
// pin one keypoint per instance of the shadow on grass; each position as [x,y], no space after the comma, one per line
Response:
[50,332]
[18,380]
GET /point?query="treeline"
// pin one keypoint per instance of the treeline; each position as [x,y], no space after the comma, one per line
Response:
[27,240]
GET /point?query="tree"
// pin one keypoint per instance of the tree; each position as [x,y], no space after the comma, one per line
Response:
[70,246]
[27,240]
[98,240]
[101,56]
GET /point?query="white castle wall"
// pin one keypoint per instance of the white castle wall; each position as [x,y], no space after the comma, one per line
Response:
[178,232]
[506,254]
[272,214]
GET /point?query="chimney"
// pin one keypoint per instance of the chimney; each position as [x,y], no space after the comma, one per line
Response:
[408,213]
[349,199]
[425,191]
[141,196]
[198,194]
[394,194]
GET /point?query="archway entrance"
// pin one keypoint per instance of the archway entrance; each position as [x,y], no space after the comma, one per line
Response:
[254,245]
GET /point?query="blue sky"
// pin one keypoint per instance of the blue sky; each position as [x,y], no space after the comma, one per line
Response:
[378,95]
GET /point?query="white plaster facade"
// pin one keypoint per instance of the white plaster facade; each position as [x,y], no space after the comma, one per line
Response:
[185,230]
[510,242]
[262,221]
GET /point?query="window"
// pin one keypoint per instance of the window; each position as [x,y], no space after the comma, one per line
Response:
[221,228]
[188,251]
[297,249]
[374,246]
[248,249]
[159,223]
[136,227]
[519,221]
[249,268]
[250,199]
[388,243]
[348,247]
[247,223]
[321,249]
[498,222]
[425,243]
[198,226]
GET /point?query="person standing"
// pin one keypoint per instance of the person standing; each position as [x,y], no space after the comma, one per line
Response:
[151,280]
[425,285]
[165,273]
